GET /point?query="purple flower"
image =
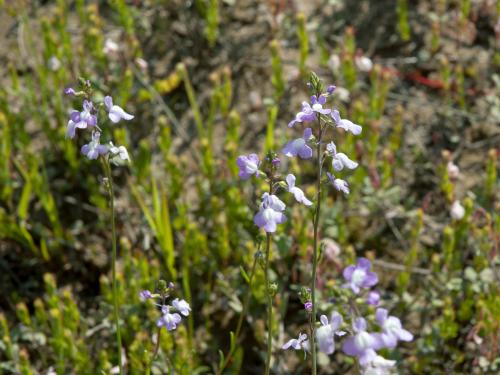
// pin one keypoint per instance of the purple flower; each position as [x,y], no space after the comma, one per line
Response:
[359,276]
[308,306]
[70,91]
[373,298]
[307,114]
[168,320]
[392,330]
[331,89]
[181,306]
[145,295]
[116,113]
[339,159]
[248,165]
[362,344]
[298,193]
[346,124]
[299,146]
[82,120]
[317,105]
[338,183]
[379,366]
[71,129]
[300,343]
[326,333]
[94,149]
[270,213]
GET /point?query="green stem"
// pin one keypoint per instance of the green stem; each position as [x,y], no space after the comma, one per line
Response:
[269,306]
[315,249]
[240,320]
[113,263]
[155,352]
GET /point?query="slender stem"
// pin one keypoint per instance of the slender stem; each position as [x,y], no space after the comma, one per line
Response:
[155,352]
[268,294]
[113,263]
[315,248]
[240,319]
[269,306]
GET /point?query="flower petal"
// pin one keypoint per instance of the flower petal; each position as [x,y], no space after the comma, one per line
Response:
[305,152]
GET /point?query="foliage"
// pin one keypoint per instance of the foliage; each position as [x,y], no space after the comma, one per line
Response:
[195,75]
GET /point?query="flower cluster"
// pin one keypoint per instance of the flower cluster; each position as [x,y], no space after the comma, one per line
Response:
[170,314]
[87,118]
[271,208]
[359,342]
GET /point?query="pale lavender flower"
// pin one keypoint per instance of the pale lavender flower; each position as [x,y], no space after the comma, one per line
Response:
[363,63]
[54,63]
[326,333]
[392,328]
[379,366]
[94,149]
[110,47]
[339,159]
[181,306]
[347,125]
[168,320]
[270,213]
[116,113]
[362,344]
[299,146]
[307,114]
[457,211]
[145,295]
[71,129]
[300,343]
[249,165]
[118,154]
[82,120]
[373,298]
[338,183]
[297,192]
[70,91]
[317,105]
[359,276]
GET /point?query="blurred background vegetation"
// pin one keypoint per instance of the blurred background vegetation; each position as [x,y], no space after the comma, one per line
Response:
[208,80]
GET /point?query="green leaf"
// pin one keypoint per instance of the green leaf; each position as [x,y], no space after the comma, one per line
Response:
[244,274]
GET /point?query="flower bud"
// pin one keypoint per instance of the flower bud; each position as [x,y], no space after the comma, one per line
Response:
[272,289]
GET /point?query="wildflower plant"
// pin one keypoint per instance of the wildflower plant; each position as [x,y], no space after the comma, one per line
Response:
[349,326]
[269,215]
[358,341]
[170,314]
[318,120]
[271,212]
[88,120]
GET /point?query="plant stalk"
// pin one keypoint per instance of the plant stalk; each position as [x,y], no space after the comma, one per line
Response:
[315,249]
[269,306]
[113,263]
